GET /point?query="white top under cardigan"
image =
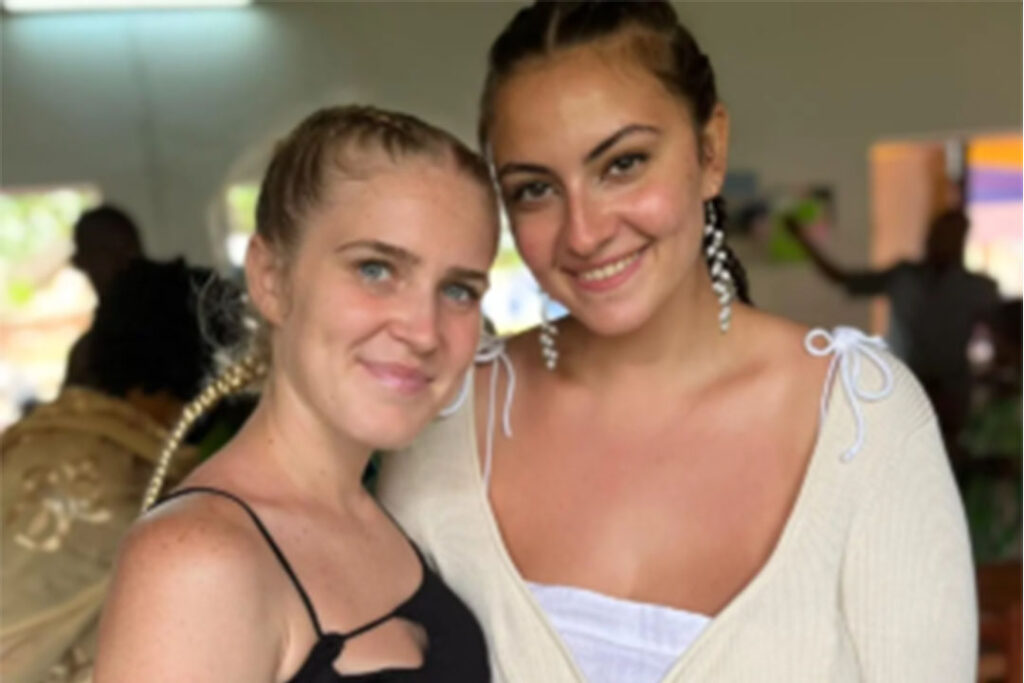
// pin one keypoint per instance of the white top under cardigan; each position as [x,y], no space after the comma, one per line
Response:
[870,580]
[612,639]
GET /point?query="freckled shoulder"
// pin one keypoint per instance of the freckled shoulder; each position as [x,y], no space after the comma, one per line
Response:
[207,530]
[193,586]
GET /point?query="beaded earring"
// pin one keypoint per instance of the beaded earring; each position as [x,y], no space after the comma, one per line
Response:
[548,335]
[715,254]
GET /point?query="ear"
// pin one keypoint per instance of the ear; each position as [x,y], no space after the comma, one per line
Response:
[714,152]
[265,278]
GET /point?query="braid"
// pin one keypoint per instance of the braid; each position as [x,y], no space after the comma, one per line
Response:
[740,282]
[739,275]
[232,379]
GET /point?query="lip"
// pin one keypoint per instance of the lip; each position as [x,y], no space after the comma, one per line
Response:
[609,283]
[404,379]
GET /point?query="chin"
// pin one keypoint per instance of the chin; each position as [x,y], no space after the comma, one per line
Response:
[387,430]
[387,439]
[614,322]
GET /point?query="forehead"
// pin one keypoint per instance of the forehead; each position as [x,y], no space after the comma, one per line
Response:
[424,205]
[578,96]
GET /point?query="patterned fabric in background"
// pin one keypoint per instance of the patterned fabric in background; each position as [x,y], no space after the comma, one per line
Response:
[73,472]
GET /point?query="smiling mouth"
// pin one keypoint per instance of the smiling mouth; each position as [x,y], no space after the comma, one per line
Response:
[403,379]
[610,274]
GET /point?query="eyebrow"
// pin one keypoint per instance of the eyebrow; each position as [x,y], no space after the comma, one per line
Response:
[469,274]
[383,248]
[406,256]
[599,149]
[510,168]
[603,146]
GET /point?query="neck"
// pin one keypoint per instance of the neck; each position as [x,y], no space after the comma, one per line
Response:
[317,462]
[680,341]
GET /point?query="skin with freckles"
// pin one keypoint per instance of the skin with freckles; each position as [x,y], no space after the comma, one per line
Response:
[374,318]
[661,459]
[380,307]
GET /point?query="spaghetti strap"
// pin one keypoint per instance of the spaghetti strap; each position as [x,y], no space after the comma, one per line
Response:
[266,535]
[370,626]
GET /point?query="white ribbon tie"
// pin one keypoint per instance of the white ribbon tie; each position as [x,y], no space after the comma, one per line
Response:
[847,346]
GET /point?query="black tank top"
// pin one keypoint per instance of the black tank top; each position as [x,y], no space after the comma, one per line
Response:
[456,650]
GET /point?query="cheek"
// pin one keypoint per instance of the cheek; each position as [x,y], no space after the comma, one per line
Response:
[535,236]
[665,211]
[351,315]
[332,308]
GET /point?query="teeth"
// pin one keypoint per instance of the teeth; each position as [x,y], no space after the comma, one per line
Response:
[605,272]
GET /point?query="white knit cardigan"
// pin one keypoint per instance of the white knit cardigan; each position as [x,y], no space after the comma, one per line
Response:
[871,578]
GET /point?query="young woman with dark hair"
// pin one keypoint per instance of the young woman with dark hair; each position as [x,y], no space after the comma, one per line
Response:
[670,485]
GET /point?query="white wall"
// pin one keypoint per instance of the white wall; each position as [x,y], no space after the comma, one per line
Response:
[161,109]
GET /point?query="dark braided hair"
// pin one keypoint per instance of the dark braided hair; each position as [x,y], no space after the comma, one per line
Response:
[659,42]
[733,264]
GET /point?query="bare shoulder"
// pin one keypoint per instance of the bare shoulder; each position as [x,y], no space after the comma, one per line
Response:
[191,598]
[781,351]
[194,533]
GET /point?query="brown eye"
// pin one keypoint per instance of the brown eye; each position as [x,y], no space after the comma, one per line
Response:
[531,191]
[622,165]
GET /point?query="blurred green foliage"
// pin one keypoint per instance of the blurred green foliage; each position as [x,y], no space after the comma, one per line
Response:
[33,224]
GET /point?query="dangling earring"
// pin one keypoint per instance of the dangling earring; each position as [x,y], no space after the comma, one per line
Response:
[548,334]
[721,278]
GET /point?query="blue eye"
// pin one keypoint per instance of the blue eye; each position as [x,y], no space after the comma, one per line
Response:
[461,294]
[374,271]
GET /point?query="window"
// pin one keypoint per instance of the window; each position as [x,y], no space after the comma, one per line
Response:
[45,304]
[994,189]
[240,200]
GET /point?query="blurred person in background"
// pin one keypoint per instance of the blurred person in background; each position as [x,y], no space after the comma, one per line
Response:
[74,470]
[991,475]
[935,305]
[106,240]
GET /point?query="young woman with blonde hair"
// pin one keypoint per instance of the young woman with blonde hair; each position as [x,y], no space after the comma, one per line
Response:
[272,562]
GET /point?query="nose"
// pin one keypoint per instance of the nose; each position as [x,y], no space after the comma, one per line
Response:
[586,228]
[416,324]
